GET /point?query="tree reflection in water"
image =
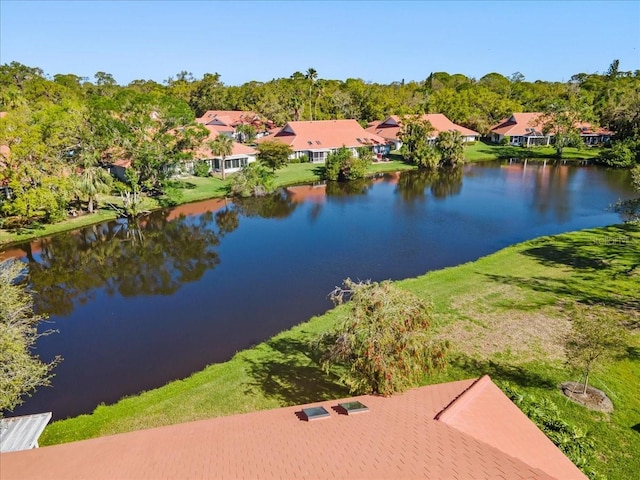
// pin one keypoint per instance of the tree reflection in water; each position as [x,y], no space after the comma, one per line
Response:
[347,189]
[147,256]
[443,182]
[276,205]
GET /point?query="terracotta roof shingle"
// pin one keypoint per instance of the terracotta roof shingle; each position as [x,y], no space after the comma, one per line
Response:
[421,433]
[324,135]
[391,126]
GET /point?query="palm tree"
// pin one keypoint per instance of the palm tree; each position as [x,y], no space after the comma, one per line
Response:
[221,146]
[296,104]
[92,180]
[450,144]
[319,92]
[311,75]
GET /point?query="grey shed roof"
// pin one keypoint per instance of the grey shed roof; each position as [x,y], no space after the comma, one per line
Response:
[22,433]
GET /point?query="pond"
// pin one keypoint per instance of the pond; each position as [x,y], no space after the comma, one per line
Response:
[136,305]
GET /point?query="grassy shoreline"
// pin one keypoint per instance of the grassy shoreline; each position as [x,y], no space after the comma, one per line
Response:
[481,151]
[503,314]
[194,189]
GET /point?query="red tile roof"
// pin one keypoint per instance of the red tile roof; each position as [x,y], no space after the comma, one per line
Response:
[324,135]
[421,433]
[391,126]
[238,148]
[233,118]
[586,128]
[519,124]
[228,117]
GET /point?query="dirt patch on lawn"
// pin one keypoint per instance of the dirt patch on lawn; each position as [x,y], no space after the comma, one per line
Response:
[593,399]
[486,326]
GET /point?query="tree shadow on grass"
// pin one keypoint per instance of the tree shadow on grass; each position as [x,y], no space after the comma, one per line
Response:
[182,184]
[633,353]
[612,248]
[292,375]
[319,170]
[515,374]
[603,267]
[636,428]
[585,290]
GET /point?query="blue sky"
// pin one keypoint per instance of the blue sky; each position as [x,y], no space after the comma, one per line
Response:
[378,41]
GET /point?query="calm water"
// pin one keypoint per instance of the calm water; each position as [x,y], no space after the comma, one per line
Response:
[137,305]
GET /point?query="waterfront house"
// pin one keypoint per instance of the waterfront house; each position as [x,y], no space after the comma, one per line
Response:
[391,127]
[228,121]
[592,135]
[521,129]
[526,130]
[316,139]
[241,155]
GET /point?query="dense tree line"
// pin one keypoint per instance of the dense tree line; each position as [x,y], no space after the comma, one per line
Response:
[61,130]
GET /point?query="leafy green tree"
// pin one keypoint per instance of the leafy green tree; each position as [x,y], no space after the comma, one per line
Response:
[221,146]
[20,371]
[273,154]
[247,133]
[560,119]
[206,94]
[342,165]
[365,153]
[35,169]
[384,343]
[623,153]
[635,177]
[254,180]
[415,134]
[450,145]
[155,132]
[595,337]
[181,86]
[201,168]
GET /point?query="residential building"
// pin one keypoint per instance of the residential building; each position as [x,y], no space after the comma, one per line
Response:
[525,129]
[240,156]
[466,430]
[227,122]
[521,129]
[594,135]
[318,138]
[391,127]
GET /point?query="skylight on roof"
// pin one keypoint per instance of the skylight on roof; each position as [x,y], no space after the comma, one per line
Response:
[309,142]
[315,413]
[318,142]
[353,407]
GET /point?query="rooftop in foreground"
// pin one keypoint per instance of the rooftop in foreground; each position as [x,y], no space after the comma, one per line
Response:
[459,430]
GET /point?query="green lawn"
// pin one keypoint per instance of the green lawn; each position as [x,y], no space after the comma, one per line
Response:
[503,315]
[481,151]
